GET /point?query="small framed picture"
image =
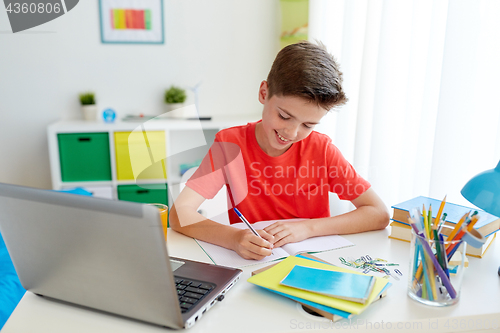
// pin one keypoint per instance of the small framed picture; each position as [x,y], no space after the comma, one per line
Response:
[131,21]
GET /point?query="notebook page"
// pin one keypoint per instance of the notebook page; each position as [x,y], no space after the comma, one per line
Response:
[225,257]
[317,244]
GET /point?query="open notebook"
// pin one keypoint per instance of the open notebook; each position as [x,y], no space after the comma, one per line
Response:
[226,257]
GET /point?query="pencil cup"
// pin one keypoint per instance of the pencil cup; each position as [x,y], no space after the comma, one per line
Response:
[436,269]
[163,209]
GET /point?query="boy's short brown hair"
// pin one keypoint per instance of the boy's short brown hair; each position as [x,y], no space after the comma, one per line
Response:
[307,70]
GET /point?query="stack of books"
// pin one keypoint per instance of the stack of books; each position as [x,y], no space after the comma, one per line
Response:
[333,292]
[487,224]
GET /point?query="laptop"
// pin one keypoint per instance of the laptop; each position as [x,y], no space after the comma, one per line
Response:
[106,255]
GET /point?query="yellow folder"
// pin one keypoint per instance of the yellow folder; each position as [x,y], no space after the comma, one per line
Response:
[272,277]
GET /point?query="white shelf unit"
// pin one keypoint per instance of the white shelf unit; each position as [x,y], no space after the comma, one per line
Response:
[185,142]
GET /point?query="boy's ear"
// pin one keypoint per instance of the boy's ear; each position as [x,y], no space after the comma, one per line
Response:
[263,91]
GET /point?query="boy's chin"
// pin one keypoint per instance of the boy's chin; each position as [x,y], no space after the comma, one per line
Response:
[280,147]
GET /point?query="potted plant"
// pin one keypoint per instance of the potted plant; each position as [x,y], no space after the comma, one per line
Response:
[175,98]
[89,108]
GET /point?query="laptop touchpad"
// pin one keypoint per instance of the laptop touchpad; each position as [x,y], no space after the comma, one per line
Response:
[175,264]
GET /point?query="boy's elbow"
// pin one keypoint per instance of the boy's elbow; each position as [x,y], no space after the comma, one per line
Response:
[174,220]
[383,218]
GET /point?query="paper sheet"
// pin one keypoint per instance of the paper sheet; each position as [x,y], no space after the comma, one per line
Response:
[225,257]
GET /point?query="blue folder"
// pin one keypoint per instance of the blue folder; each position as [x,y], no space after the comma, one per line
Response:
[348,286]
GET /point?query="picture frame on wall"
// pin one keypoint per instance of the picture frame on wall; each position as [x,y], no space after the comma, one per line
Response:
[131,21]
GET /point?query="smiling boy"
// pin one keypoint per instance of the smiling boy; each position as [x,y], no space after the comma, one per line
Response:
[289,169]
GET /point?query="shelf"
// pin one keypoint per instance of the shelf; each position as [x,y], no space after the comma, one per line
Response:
[66,185]
[75,126]
[141,182]
[186,141]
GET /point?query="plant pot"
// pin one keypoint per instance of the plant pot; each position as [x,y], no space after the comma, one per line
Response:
[174,106]
[174,110]
[89,112]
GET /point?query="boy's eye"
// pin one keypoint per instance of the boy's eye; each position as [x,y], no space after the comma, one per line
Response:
[306,126]
[282,117]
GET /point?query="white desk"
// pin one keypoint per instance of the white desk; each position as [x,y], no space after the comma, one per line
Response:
[248,308]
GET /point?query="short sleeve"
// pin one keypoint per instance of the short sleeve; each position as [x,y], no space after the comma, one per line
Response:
[206,181]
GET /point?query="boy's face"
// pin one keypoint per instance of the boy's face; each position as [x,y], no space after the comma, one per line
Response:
[285,120]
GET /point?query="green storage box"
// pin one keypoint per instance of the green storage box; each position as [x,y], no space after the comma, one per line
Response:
[150,193]
[84,157]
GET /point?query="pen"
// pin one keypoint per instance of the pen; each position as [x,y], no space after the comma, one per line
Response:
[242,218]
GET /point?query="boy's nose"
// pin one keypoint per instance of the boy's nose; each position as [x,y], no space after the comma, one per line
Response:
[291,132]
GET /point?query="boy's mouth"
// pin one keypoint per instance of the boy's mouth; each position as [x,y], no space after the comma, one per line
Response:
[282,139]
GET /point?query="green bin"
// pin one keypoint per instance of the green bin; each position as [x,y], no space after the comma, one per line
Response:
[84,157]
[150,193]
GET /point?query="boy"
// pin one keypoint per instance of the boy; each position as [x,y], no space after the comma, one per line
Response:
[287,168]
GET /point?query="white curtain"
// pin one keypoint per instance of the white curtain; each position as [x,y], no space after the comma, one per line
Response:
[423,82]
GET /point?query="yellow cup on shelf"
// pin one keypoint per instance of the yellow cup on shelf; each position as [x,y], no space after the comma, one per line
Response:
[163,209]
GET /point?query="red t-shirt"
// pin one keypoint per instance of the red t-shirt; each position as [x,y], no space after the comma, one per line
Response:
[293,185]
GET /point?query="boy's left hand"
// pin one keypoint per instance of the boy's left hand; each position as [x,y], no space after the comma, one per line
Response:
[287,232]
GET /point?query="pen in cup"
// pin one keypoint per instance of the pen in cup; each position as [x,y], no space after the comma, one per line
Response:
[244,220]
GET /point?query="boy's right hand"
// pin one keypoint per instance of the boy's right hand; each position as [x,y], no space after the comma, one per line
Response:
[249,246]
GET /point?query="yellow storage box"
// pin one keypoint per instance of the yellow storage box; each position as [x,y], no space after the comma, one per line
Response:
[140,155]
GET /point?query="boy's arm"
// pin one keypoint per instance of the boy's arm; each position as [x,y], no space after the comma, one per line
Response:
[370,214]
[185,219]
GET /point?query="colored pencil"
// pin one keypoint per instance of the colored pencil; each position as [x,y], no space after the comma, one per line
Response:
[458,226]
[426,224]
[441,223]
[473,221]
[429,220]
[431,276]
[415,259]
[440,211]
[427,291]
[438,247]
[458,237]
[443,255]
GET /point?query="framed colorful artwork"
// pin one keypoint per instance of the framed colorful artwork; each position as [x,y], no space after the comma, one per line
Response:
[131,21]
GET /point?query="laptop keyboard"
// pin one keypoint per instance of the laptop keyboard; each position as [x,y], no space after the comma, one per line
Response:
[190,292]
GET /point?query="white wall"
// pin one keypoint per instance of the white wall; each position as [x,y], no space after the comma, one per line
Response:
[227,44]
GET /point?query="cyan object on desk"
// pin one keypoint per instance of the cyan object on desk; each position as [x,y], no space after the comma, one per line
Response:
[11,290]
[348,286]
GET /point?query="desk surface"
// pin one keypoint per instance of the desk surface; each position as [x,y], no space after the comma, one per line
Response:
[249,308]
